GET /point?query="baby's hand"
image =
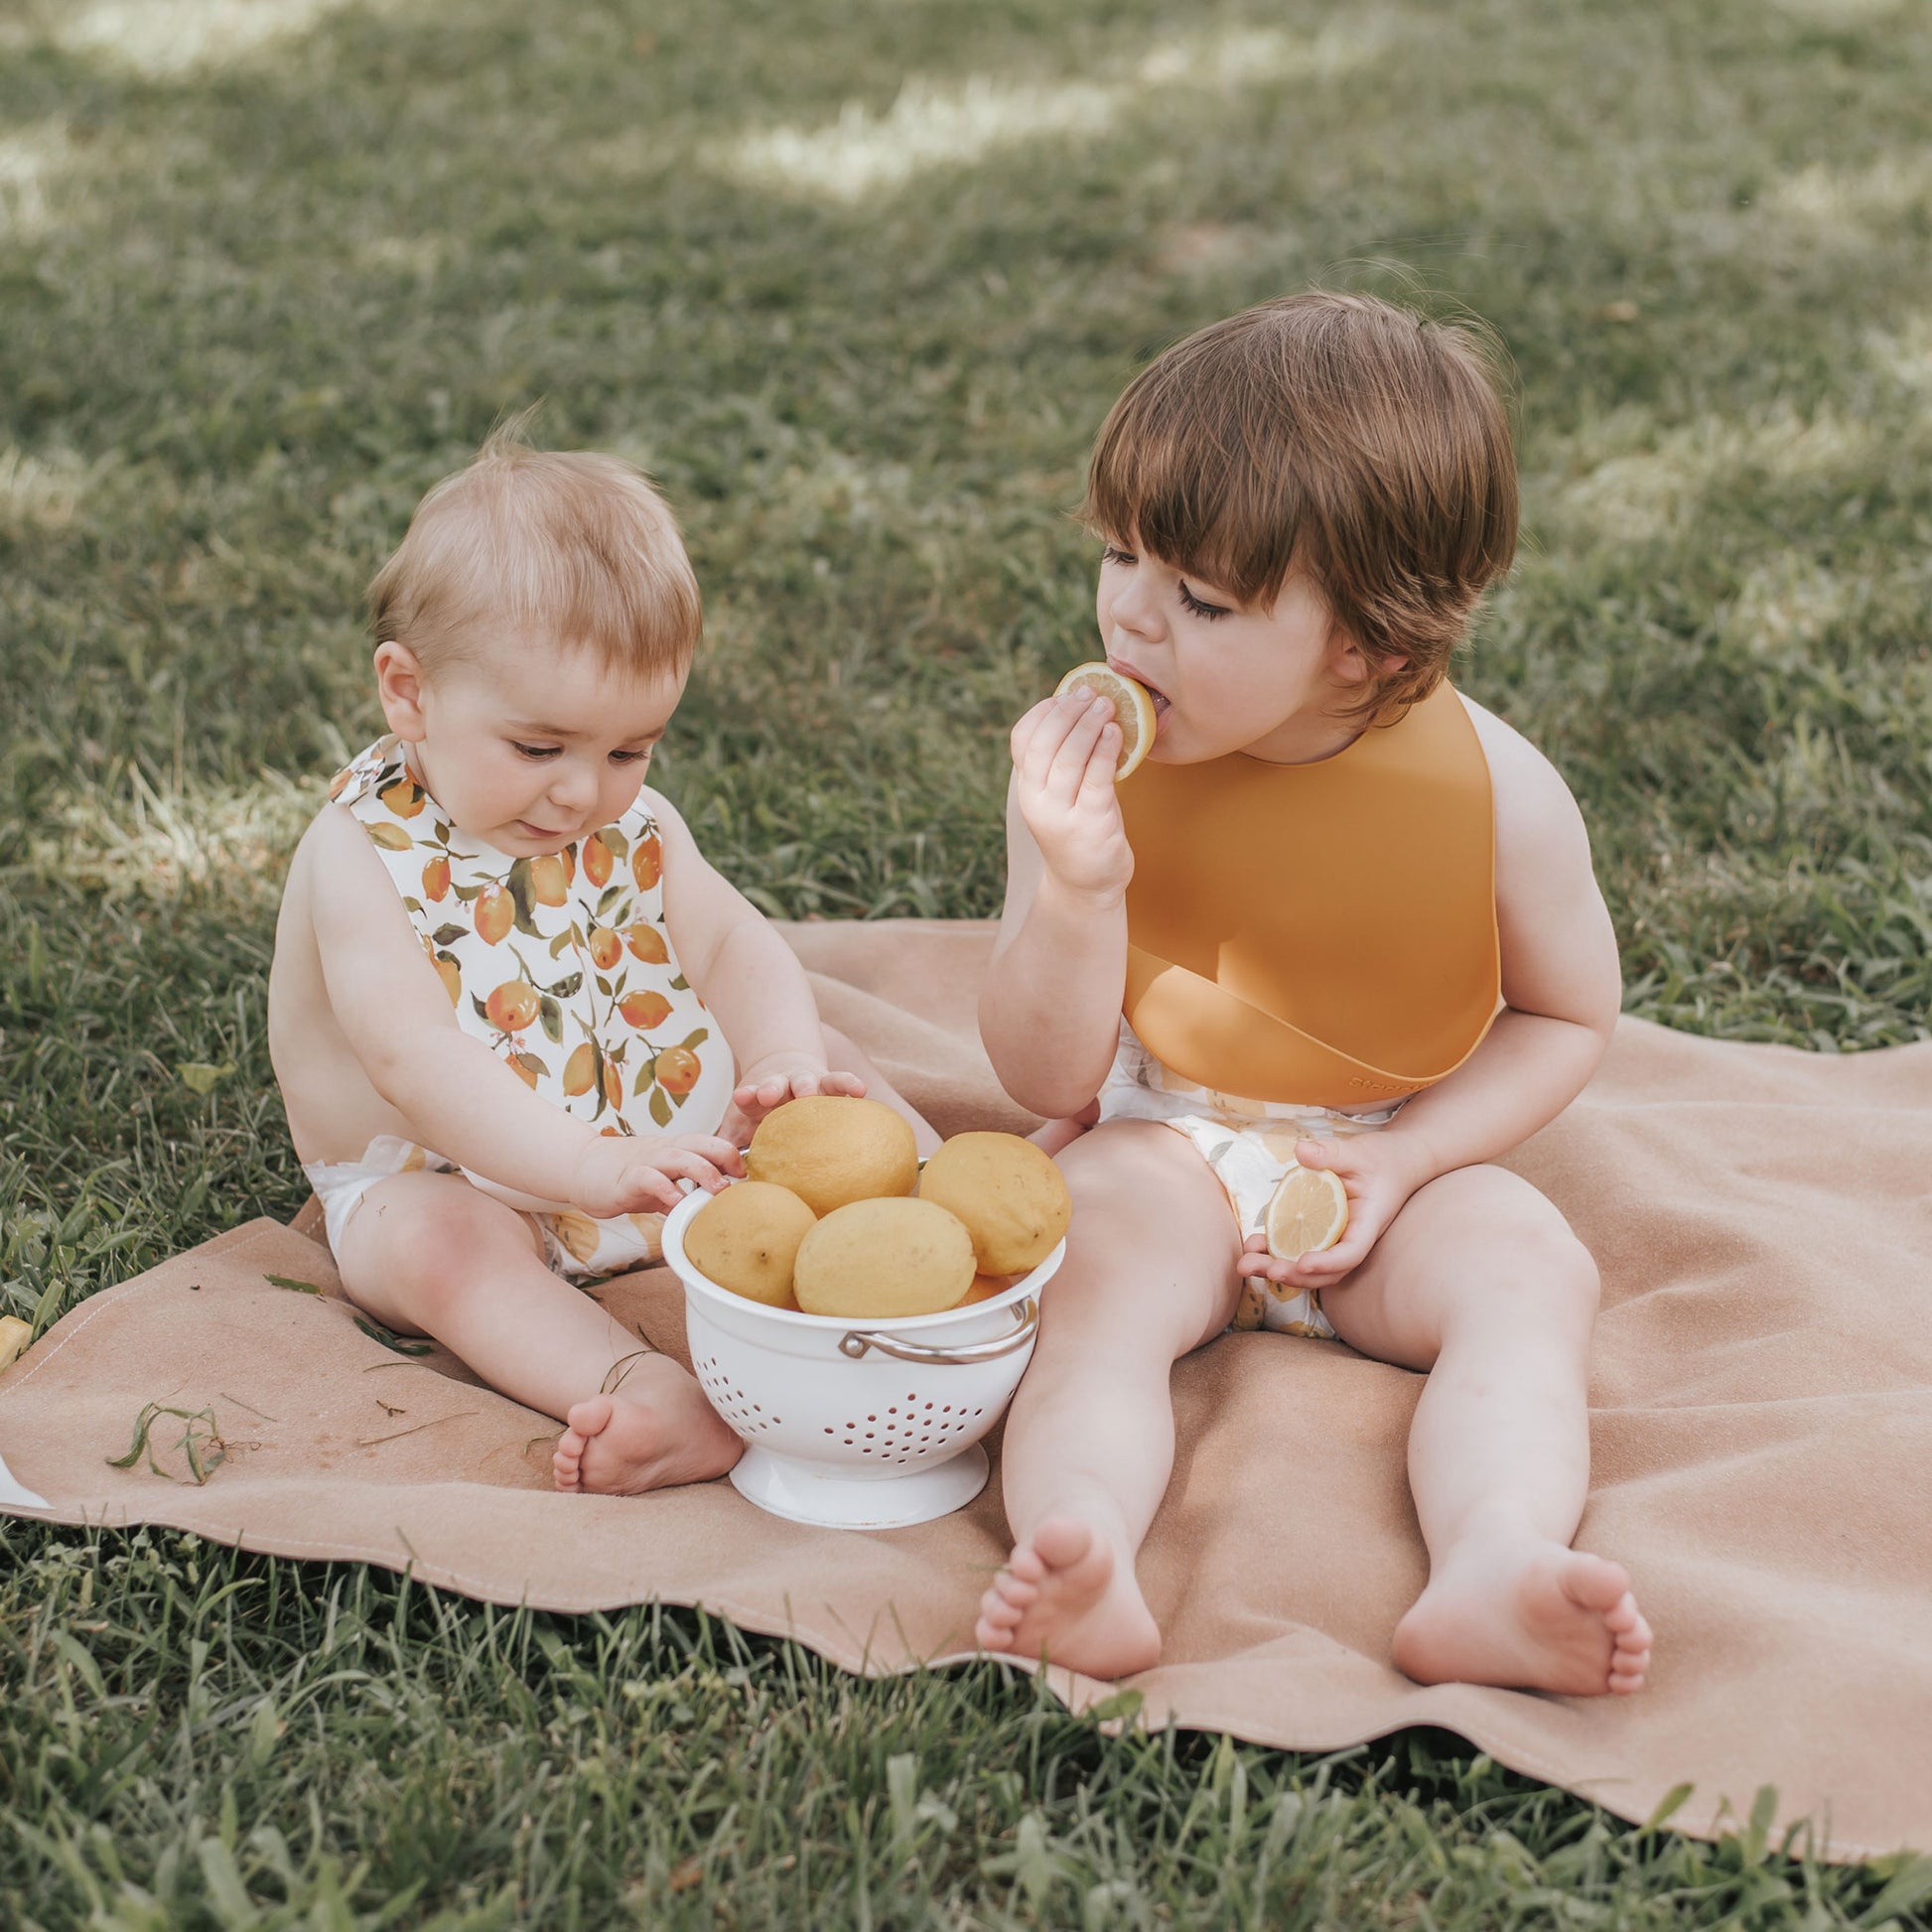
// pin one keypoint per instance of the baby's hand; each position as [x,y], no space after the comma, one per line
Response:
[1064,753]
[640,1176]
[771,1085]
[1378,1172]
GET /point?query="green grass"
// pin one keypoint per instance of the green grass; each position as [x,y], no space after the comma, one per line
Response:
[856,282]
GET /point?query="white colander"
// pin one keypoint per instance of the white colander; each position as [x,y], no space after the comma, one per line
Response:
[855,1424]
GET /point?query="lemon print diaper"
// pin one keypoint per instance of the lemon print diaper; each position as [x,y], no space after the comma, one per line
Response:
[1250,1145]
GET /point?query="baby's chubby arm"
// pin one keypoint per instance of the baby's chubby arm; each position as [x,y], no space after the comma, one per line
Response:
[1049,1007]
[1561,991]
[749,979]
[456,1095]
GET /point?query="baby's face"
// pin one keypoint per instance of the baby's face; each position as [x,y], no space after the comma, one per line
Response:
[528,746]
[1225,677]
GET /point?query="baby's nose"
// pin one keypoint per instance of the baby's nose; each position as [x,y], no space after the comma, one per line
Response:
[573,788]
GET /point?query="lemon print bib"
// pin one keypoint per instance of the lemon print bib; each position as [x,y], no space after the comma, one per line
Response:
[561,964]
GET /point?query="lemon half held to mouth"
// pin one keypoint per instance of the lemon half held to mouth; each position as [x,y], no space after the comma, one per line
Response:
[1133,710]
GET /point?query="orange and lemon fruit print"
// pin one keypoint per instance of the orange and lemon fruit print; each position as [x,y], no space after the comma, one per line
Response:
[560,962]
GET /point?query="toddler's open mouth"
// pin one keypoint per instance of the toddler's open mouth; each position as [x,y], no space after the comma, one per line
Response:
[1161,702]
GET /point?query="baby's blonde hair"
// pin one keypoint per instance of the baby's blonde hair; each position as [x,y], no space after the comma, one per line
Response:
[575,547]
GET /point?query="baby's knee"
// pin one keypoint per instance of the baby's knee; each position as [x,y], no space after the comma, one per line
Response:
[431,1241]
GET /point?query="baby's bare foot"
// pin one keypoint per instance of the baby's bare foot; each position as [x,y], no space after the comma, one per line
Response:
[1062,1595]
[1529,1615]
[654,1432]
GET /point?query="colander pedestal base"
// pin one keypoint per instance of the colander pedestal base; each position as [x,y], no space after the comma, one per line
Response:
[810,1492]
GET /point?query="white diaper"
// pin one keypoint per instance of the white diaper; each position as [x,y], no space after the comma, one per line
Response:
[574,1245]
[1250,1145]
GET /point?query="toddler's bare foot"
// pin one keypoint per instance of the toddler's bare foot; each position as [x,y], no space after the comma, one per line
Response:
[655,1431]
[1527,1615]
[1062,1595]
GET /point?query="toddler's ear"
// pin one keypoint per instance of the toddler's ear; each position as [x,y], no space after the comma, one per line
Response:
[399,684]
[1349,663]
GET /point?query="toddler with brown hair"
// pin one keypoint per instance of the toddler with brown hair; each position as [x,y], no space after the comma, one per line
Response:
[513,1007]
[1341,919]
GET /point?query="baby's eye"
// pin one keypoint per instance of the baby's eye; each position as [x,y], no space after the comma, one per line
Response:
[633,758]
[537,751]
[1114,554]
[1201,607]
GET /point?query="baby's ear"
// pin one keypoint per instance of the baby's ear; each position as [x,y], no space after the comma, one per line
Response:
[399,685]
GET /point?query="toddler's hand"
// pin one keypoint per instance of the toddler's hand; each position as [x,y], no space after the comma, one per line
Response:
[772,1086]
[1065,751]
[1378,1174]
[640,1176]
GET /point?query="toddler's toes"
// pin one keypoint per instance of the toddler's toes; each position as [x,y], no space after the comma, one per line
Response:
[997,1614]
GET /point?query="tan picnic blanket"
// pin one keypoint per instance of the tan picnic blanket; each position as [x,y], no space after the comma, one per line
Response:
[1763,1431]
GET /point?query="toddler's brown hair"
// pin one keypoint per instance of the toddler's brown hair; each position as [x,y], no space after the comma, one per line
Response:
[1336,435]
[577,547]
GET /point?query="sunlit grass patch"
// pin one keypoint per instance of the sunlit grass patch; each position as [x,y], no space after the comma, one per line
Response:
[935,126]
[166,39]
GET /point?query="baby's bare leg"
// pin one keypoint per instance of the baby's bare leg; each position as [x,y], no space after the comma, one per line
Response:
[1089,1443]
[430,1254]
[1479,1281]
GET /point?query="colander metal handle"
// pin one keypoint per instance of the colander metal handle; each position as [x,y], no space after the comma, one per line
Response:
[855,1343]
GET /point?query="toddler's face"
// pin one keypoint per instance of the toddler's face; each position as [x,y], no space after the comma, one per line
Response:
[527,746]
[1225,677]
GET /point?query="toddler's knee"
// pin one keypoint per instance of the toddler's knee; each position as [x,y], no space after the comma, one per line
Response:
[1550,1264]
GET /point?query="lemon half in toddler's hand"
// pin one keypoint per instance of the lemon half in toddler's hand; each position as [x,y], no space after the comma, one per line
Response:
[1133,710]
[1309,1214]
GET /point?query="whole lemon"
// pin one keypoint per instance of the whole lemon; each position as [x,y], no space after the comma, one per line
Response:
[884,1258]
[829,1150]
[745,1239]
[1013,1199]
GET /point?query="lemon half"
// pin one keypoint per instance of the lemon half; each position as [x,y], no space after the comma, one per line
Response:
[1309,1214]
[1133,710]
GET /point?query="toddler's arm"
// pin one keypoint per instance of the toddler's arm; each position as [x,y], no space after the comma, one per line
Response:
[748,976]
[1562,991]
[1049,1007]
[457,1095]
[1562,986]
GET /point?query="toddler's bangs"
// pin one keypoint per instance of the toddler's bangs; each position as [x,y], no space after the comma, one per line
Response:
[1180,477]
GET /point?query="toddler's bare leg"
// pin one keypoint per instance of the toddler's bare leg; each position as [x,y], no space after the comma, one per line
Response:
[1479,1281]
[1089,1443]
[429,1254]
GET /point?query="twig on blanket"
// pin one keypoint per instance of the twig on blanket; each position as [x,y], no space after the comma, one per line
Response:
[201,1443]
[621,1367]
[250,1406]
[369,1442]
[390,1339]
